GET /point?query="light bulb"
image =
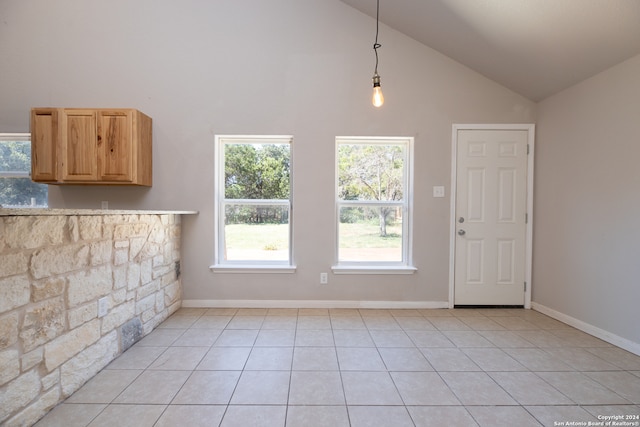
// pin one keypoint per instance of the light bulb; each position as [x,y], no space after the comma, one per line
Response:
[378,98]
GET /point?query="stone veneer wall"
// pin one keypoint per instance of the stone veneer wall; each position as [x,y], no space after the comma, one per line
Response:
[53,271]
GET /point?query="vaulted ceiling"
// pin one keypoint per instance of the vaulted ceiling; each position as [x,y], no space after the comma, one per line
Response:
[534,47]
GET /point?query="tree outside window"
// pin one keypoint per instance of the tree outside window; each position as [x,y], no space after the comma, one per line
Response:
[16,188]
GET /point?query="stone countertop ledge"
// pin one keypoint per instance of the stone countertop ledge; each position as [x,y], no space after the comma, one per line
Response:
[86,212]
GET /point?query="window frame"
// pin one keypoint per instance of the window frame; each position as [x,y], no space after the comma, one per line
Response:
[9,137]
[26,137]
[405,266]
[251,266]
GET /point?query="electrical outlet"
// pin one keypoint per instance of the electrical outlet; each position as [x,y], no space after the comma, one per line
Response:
[103,306]
[105,204]
[438,191]
[324,278]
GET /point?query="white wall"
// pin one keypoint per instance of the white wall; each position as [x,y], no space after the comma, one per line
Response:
[586,232]
[299,67]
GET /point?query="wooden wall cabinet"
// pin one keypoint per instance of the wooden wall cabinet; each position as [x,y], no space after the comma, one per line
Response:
[91,146]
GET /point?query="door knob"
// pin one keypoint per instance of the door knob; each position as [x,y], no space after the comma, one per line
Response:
[462,232]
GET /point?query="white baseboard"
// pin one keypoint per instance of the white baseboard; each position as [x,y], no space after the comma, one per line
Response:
[209,303]
[607,336]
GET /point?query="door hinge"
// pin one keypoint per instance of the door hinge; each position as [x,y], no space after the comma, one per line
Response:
[525,286]
[527,149]
[526,218]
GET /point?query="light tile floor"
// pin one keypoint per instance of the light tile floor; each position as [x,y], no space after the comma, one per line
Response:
[343,367]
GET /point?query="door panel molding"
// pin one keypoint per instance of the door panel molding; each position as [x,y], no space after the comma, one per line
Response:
[507,152]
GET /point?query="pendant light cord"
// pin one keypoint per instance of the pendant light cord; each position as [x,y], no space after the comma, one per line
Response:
[377,45]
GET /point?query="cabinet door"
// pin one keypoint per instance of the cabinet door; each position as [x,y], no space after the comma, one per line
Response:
[115,154]
[79,145]
[44,140]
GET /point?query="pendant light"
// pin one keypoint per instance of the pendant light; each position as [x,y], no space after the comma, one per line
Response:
[378,98]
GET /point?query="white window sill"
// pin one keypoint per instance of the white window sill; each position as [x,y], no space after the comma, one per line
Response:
[372,269]
[249,268]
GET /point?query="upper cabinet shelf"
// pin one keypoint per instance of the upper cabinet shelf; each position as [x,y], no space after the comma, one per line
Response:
[91,146]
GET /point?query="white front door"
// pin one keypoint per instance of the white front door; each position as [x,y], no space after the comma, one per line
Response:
[490,240]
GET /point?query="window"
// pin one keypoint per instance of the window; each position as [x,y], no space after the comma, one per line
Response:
[373,202]
[253,191]
[16,188]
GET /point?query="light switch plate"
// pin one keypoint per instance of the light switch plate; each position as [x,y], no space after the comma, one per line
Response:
[438,191]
